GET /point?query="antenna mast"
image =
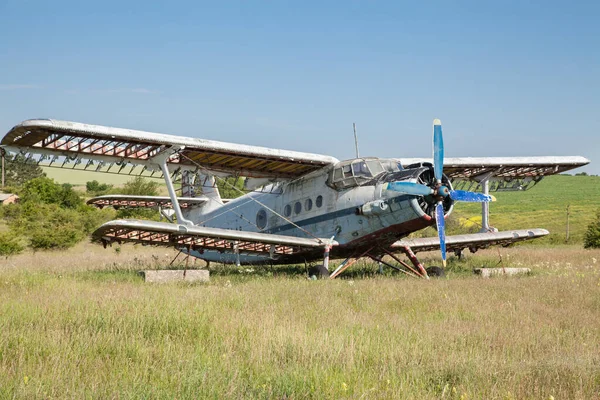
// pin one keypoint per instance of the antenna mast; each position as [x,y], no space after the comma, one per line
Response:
[355,139]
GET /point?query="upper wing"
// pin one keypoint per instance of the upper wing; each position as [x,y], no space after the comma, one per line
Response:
[198,237]
[473,241]
[82,142]
[505,173]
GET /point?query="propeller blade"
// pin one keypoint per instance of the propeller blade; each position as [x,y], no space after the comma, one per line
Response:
[410,188]
[439,220]
[438,150]
[470,197]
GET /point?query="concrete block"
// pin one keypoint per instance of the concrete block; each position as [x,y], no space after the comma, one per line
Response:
[489,272]
[175,275]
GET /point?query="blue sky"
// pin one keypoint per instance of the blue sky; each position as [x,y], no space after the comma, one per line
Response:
[506,78]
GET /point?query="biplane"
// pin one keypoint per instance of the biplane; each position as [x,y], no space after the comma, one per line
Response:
[296,207]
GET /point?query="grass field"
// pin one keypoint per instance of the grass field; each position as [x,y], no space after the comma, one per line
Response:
[543,206]
[82,324]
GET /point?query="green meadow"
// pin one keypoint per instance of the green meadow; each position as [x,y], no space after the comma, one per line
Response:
[543,206]
[82,323]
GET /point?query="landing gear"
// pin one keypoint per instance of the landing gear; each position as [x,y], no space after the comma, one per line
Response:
[435,272]
[318,272]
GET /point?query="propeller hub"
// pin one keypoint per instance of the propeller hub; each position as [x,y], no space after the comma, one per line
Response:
[443,191]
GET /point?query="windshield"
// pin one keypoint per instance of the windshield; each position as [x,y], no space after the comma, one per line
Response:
[359,171]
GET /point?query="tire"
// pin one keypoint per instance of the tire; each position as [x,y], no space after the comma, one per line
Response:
[319,272]
[435,272]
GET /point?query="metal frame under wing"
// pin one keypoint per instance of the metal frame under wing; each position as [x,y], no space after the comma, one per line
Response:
[198,238]
[133,201]
[504,167]
[473,241]
[502,173]
[79,142]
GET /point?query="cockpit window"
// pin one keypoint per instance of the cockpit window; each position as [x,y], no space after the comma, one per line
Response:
[359,171]
[375,167]
[347,171]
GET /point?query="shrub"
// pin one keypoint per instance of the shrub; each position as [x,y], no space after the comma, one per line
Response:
[45,190]
[51,238]
[49,226]
[591,239]
[96,188]
[10,244]
[140,186]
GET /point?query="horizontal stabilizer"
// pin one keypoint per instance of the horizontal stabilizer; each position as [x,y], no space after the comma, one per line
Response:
[472,241]
[199,237]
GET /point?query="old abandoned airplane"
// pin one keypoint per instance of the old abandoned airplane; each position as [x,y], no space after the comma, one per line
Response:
[300,207]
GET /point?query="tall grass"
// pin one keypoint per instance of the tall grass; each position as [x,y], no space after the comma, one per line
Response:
[89,327]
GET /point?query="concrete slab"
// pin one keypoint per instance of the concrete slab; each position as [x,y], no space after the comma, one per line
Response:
[175,275]
[489,272]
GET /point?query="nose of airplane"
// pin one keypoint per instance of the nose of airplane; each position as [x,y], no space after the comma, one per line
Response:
[434,188]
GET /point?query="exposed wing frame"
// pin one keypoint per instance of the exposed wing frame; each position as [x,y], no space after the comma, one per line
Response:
[199,238]
[82,142]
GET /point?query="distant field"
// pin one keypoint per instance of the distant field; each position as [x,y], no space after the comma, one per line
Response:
[544,206]
[79,178]
[82,324]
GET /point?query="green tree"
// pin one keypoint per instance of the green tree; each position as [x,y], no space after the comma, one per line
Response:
[140,187]
[19,170]
[45,190]
[230,188]
[96,188]
[591,240]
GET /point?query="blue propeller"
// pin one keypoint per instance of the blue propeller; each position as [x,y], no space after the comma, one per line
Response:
[437,190]
[438,150]
[410,188]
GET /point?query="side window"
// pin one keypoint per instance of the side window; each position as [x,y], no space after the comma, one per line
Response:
[308,204]
[287,211]
[261,219]
[319,201]
[297,207]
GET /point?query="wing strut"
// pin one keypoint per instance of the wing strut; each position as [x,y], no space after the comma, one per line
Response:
[485,208]
[172,193]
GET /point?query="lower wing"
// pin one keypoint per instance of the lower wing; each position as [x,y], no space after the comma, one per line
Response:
[199,237]
[473,241]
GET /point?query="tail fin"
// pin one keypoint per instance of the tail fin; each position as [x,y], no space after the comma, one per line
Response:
[210,190]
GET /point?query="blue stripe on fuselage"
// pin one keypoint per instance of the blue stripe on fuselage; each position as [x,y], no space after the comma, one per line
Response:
[326,217]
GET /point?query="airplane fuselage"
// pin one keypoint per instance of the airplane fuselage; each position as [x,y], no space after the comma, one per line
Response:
[358,217]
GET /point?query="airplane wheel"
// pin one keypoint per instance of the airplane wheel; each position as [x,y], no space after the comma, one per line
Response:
[319,272]
[435,272]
